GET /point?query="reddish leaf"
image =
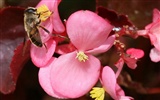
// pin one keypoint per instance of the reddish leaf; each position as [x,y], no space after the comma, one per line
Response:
[115,19]
[121,22]
[11,19]
[12,34]
[11,66]
[20,57]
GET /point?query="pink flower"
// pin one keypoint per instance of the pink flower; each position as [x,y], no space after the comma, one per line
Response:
[130,58]
[41,56]
[54,23]
[135,53]
[153,32]
[108,80]
[73,74]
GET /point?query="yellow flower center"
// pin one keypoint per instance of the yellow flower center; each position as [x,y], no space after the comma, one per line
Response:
[97,93]
[44,12]
[81,56]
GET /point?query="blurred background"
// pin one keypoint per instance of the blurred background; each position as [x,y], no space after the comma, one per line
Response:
[138,11]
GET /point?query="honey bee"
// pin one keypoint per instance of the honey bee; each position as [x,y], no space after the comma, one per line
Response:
[32,24]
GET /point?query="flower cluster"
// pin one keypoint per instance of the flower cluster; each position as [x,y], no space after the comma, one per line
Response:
[152,31]
[77,70]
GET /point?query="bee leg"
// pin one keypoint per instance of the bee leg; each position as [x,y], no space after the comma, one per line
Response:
[44,29]
[38,22]
[56,35]
[61,36]
[38,15]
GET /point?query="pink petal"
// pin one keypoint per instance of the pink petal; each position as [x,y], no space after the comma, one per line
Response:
[104,47]
[143,33]
[152,38]
[41,55]
[131,62]
[44,35]
[155,55]
[156,15]
[45,82]
[155,34]
[119,64]
[121,94]
[87,30]
[65,48]
[57,23]
[148,27]
[135,53]
[108,79]
[72,78]
[119,91]
[125,98]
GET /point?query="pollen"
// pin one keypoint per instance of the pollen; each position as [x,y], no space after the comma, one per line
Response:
[81,56]
[44,12]
[97,93]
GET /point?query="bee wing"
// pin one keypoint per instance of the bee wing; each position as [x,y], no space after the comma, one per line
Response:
[35,38]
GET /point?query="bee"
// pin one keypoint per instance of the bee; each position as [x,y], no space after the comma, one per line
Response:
[32,24]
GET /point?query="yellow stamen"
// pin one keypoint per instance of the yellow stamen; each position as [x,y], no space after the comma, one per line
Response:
[81,56]
[97,93]
[44,12]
